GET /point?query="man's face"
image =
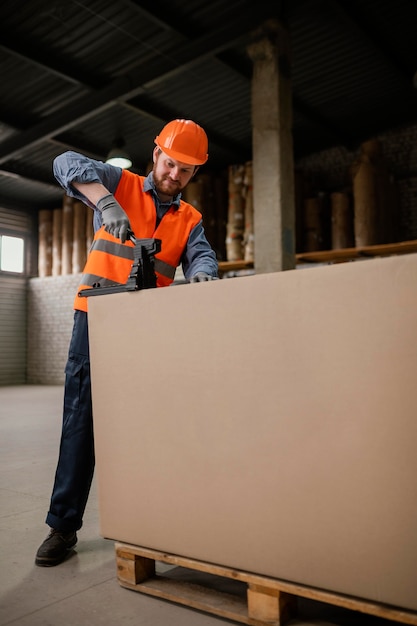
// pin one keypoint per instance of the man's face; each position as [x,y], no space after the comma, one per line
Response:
[170,176]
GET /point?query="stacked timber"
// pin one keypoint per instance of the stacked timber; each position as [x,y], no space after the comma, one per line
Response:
[341,220]
[89,231]
[302,190]
[65,235]
[236,213]
[199,193]
[45,242]
[220,207]
[313,228]
[79,248]
[194,194]
[57,242]
[375,197]
[248,235]
[363,212]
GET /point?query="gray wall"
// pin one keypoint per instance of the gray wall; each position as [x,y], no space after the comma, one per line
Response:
[13,296]
[13,303]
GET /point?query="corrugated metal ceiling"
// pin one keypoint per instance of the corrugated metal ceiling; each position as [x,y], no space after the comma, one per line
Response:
[77,74]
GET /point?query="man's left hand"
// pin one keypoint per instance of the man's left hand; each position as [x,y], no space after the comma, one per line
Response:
[201,277]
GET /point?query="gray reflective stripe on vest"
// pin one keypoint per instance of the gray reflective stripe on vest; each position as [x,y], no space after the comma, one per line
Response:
[111,247]
[164,268]
[92,280]
[126,252]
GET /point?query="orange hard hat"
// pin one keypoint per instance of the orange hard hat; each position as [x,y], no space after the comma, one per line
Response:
[185,141]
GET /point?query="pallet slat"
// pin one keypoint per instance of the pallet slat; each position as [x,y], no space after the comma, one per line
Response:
[194,596]
[268,601]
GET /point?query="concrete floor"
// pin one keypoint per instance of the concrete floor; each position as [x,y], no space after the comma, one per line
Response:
[84,589]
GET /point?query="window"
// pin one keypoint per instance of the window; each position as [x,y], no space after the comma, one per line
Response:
[12,252]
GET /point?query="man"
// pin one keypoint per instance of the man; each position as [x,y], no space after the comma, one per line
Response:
[123,202]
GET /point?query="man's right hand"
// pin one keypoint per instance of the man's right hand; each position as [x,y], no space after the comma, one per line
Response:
[114,218]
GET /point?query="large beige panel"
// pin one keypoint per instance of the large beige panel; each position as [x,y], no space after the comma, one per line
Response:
[266,423]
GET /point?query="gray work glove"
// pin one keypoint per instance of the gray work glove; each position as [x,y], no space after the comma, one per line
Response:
[201,277]
[114,218]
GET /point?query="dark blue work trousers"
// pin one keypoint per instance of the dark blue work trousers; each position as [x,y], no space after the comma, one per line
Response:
[76,460]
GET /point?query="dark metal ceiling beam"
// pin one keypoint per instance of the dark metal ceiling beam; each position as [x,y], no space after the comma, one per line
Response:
[65,70]
[16,121]
[354,19]
[25,205]
[241,65]
[12,203]
[17,170]
[130,85]
[33,55]
[164,15]
[143,105]
[329,130]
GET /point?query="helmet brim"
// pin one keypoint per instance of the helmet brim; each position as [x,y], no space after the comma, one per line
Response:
[183,158]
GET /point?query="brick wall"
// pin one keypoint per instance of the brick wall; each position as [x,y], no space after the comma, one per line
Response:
[50,319]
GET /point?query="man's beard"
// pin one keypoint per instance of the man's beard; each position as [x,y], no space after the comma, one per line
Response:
[166,186]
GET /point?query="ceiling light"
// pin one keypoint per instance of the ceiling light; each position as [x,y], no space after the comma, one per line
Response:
[119,157]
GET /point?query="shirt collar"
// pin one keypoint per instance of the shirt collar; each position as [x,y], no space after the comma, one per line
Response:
[149,185]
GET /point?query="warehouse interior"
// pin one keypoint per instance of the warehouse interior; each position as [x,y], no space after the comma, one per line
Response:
[310,107]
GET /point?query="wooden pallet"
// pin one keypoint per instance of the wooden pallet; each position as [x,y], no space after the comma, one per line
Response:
[248,598]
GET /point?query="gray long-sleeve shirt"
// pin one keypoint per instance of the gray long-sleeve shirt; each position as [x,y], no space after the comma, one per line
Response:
[72,167]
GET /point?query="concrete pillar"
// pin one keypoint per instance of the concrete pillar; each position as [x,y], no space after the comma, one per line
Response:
[273,159]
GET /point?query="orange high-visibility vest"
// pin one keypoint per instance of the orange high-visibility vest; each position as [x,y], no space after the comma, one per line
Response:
[110,261]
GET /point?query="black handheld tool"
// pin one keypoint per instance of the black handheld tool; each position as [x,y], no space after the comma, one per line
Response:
[142,274]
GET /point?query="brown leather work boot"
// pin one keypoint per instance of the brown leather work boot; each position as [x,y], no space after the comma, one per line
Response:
[55,548]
